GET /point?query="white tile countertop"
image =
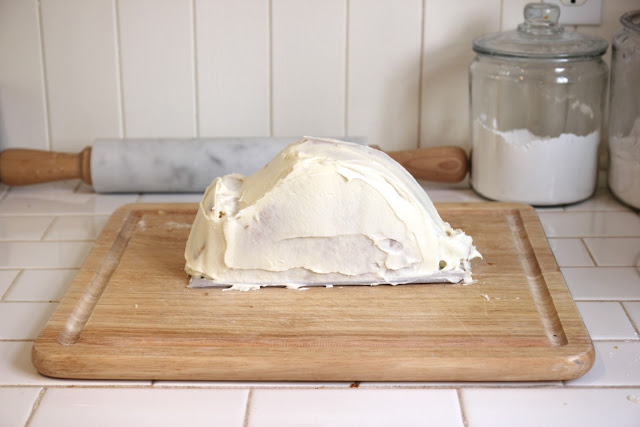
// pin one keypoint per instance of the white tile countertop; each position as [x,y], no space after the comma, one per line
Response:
[47,230]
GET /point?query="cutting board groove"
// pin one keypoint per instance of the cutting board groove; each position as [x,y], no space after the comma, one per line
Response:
[130,315]
[537,285]
[80,315]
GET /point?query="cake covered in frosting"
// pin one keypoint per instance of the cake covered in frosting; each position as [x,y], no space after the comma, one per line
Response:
[324,212]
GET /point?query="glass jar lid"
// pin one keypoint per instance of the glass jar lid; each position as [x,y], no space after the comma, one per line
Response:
[540,36]
[631,20]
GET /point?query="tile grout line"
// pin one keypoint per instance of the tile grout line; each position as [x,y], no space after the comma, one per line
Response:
[499,384]
[61,214]
[247,409]
[149,386]
[39,301]
[45,85]
[4,268]
[463,414]
[45,241]
[15,279]
[76,384]
[593,258]
[36,405]
[421,71]
[635,326]
[48,229]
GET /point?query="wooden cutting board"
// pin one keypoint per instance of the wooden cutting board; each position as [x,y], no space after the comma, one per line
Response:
[129,314]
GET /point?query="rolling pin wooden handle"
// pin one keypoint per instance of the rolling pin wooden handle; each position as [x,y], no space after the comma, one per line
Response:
[442,164]
[23,166]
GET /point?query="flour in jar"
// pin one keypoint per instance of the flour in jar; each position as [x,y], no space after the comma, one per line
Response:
[624,166]
[519,166]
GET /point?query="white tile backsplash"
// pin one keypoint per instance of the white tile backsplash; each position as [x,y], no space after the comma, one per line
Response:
[384,71]
[81,72]
[448,33]
[22,94]
[308,64]
[157,65]
[233,67]
[395,71]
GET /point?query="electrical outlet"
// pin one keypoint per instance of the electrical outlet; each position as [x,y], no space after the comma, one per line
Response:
[579,12]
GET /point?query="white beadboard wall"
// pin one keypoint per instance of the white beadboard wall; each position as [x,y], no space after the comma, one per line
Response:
[393,70]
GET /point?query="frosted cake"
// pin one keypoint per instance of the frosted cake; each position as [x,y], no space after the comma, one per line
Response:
[323,212]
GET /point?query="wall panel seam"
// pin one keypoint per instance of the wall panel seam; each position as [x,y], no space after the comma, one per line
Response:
[45,85]
[119,81]
[270,24]
[346,66]
[196,86]
[421,71]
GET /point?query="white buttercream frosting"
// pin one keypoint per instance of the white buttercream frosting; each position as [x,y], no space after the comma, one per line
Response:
[324,212]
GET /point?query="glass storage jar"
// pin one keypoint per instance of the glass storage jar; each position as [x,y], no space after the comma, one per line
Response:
[537,97]
[624,112]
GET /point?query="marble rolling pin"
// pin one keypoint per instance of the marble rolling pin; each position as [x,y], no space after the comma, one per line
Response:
[187,165]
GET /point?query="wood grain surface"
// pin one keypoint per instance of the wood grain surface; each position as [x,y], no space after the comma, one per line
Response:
[130,315]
